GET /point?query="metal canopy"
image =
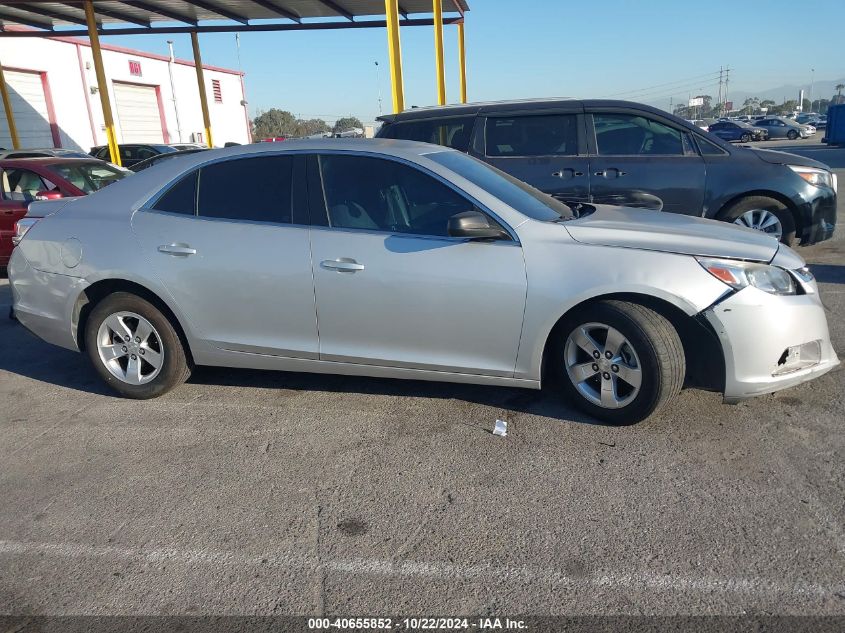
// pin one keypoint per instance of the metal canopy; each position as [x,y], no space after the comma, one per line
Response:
[148,16]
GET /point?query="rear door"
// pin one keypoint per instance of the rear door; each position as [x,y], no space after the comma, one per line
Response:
[546,150]
[229,241]
[639,160]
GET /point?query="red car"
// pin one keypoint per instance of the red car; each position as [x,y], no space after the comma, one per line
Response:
[24,180]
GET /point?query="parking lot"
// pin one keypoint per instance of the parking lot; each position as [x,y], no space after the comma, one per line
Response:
[246,492]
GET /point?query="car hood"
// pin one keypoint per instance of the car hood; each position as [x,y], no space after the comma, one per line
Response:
[671,233]
[785,158]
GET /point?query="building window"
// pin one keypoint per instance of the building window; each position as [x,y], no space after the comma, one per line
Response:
[215,88]
[134,68]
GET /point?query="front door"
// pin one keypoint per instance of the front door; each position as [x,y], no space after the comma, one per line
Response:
[393,289]
[641,162]
[545,150]
[225,242]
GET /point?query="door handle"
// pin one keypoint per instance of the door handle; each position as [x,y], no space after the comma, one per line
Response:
[605,173]
[181,250]
[342,265]
[568,172]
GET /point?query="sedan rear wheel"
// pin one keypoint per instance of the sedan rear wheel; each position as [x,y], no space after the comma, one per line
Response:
[617,361]
[134,347]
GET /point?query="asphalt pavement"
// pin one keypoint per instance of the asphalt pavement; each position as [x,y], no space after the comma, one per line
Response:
[246,492]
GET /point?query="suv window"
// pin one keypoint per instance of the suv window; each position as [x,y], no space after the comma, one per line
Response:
[453,132]
[181,197]
[633,134]
[256,189]
[544,135]
[383,195]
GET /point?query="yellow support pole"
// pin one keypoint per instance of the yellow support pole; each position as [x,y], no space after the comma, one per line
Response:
[7,106]
[391,9]
[438,51]
[102,85]
[206,119]
[462,61]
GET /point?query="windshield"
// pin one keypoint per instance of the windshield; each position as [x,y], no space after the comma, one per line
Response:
[515,193]
[89,177]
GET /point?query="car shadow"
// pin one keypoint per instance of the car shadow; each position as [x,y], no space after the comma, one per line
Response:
[24,354]
[828,273]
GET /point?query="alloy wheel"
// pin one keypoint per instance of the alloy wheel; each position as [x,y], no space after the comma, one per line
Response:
[603,365]
[761,220]
[130,348]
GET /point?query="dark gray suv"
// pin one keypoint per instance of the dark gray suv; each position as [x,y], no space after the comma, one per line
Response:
[630,154]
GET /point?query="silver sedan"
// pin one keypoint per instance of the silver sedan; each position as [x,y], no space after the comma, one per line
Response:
[406,260]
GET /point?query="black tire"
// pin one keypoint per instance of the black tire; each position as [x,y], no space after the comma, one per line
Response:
[777,208]
[175,368]
[657,346]
[792,135]
[745,138]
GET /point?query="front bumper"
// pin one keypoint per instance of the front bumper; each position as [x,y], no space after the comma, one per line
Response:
[817,209]
[44,303]
[756,328]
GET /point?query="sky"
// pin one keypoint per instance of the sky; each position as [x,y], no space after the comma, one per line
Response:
[645,50]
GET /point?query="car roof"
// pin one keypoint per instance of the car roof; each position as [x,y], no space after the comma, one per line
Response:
[44,161]
[491,107]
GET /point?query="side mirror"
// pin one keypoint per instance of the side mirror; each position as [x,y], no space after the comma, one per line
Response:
[475,226]
[48,195]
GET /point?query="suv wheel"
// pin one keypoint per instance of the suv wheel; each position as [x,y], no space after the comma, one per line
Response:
[617,361]
[134,347]
[764,214]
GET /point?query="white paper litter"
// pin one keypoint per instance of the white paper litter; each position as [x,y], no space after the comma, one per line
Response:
[501,428]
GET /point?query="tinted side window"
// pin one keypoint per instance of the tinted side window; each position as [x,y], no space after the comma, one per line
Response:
[383,195]
[181,197]
[631,134]
[546,135]
[454,132]
[257,189]
[709,149]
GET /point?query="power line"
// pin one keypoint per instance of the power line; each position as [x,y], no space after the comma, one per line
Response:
[668,83]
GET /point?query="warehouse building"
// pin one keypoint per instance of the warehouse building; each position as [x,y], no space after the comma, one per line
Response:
[53,89]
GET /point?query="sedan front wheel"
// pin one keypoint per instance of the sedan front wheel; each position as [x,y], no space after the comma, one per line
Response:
[617,361]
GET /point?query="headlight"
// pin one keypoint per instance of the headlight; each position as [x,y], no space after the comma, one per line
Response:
[738,275]
[814,175]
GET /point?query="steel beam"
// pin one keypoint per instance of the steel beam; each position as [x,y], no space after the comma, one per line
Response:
[462,62]
[233,28]
[167,13]
[437,9]
[206,118]
[394,47]
[7,106]
[102,82]
[278,10]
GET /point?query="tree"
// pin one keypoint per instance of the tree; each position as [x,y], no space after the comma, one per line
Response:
[750,105]
[347,123]
[767,103]
[838,98]
[806,106]
[274,122]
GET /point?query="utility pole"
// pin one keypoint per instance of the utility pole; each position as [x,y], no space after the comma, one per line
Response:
[720,87]
[727,79]
[378,84]
[812,81]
